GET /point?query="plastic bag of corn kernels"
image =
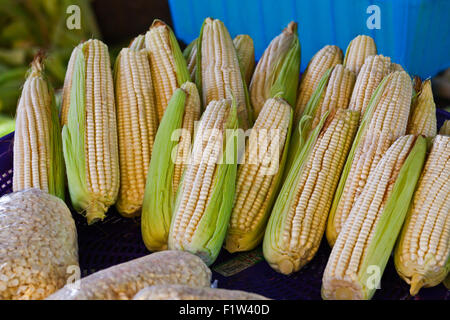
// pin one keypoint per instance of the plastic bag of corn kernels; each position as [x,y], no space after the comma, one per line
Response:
[38,245]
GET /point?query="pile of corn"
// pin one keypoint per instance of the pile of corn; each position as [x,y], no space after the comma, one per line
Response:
[214,151]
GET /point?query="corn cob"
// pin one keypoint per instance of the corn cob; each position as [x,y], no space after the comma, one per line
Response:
[164,173]
[190,54]
[357,51]
[422,255]
[136,126]
[38,157]
[277,70]
[374,69]
[246,55]
[167,64]
[205,198]
[297,222]
[218,72]
[324,59]
[183,292]
[364,245]
[123,281]
[258,178]
[138,43]
[337,94]
[423,111]
[445,129]
[384,121]
[90,134]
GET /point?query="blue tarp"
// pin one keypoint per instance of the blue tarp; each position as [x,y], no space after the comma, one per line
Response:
[414,33]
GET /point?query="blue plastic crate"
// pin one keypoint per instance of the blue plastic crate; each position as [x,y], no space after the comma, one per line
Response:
[414,33]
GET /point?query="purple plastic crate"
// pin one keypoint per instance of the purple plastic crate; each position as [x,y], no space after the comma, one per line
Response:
[117,239]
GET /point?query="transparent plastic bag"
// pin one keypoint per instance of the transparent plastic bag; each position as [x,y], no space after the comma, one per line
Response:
[38,244]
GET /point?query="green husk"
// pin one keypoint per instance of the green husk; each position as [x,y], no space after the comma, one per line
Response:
[285,197]
[73,134]
[287,72]
[159,197]
[366,118]
[446,282]
[393,215]
[303,129]
[57,172]
[212,227]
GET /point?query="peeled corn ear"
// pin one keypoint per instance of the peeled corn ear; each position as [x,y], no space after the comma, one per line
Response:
[323,60]
[218,71]
[364,245]
[357,51]
[137,122]
[205,198]
[190,54]
[383,122]
[167,64]
[337,94]
[259,175]
[277,71]
[372,72]
[89,134]
[167,164]
[38,156]
[246,54]
[297,222]
[422,255]
[137,43]
[423,111]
